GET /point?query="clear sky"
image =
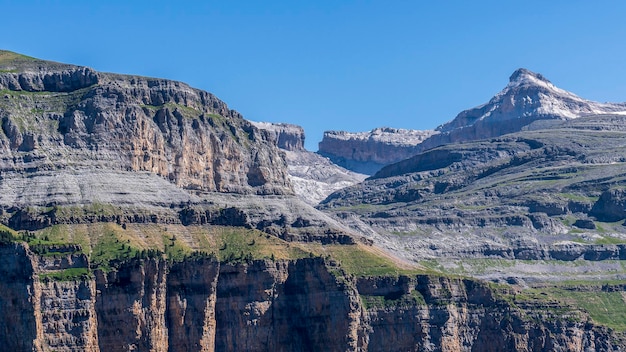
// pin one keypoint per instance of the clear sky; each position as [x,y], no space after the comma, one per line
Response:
[336,64]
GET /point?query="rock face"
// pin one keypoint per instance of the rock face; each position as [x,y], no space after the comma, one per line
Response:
[462,315]
[21,326]
[306,304]
[70,121]
[367,152]
[286,136]
[611,206]
[72,139]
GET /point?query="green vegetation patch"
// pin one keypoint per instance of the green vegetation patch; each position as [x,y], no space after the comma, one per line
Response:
[360,261]
[186,111]
[9,57]
[604,308]
[71,274]
[111,248]
[7,235]
[239,244]
[407,300]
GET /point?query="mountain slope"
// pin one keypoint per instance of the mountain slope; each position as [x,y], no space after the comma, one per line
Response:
[549,194]
[80,146]
[528,98]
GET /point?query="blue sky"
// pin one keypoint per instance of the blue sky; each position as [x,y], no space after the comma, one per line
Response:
[336,65]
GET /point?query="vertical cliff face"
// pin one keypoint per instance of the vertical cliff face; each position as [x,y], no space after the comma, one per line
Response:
[131,307]
[368,152]
[20,322]
[306,304]
[191,299]
[442,314]
[68,315]
[284,306]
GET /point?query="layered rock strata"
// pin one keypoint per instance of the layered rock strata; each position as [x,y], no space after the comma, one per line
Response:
[79,127]
[286,136]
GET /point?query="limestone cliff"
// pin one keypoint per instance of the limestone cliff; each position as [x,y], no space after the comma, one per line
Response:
[367,152]
[306,304]
[286,136]
[67,128]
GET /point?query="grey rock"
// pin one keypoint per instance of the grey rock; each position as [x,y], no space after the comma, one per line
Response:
[286,136]
[611,206]
[367,152]
[313,176]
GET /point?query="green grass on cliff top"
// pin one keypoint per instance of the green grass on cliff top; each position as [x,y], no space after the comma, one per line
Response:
[604,308]
[10,60]
[104,242]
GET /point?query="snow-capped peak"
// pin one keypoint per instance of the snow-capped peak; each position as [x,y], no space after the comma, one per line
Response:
[524,78]
[522,75]
[528,96]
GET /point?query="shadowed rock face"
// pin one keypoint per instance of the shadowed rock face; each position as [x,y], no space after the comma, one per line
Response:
[300,305]
[611,206]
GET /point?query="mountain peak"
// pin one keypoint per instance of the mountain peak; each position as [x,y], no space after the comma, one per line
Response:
[522,75]
[528,96]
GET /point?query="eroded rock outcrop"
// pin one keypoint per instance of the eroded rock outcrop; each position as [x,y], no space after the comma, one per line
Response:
[611,206]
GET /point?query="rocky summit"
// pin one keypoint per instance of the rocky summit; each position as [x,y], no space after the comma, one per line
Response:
[141,214]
